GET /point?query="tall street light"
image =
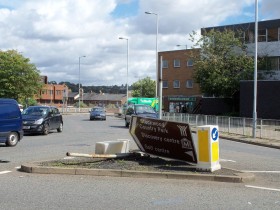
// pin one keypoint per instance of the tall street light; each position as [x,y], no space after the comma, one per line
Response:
[79,81]
[255,72]
[127,55]
[151,13]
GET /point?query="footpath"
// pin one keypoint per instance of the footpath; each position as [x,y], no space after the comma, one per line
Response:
[222,175]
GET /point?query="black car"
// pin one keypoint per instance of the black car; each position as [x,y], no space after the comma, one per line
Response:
[140,110]
[97,113]
[41,119]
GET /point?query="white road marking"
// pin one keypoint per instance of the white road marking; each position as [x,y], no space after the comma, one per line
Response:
[276,172]
[67,158]
[263,188]
[225,160]
[5,172]
[18,167]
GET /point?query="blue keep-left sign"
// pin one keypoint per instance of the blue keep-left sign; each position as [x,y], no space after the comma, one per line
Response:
[215,134]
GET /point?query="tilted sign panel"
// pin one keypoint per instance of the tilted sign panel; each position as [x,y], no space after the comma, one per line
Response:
[163,138]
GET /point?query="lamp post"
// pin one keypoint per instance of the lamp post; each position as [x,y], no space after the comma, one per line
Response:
[255,71]
[127,55]
[151,13]
[79,81]
[179,45]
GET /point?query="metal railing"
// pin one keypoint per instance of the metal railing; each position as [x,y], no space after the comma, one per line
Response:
[267,129]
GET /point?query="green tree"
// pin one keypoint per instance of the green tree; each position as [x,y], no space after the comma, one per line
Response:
[144,88]
[19,79]
[221,63]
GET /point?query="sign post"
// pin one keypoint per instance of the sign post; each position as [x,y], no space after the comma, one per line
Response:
[163,138]
[208,148]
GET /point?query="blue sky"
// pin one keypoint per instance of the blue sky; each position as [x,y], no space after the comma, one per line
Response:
[55,33]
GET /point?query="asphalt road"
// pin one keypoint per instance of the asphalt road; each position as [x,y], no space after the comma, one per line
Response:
[39,191]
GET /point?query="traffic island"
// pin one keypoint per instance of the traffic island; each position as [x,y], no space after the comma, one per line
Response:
[137,166]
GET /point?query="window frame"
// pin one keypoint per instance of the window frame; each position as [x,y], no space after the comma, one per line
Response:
[176,63]
[189,60]
[165,64]
[188,82]
[174,82]
[164,82]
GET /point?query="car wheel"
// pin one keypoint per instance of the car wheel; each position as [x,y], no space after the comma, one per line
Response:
[46,129]
[60,128]
[12,139]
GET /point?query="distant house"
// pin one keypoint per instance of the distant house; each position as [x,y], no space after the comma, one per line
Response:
[51,94]
[104,99]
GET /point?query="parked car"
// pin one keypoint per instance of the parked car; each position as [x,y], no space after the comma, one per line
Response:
[41,119]
[140,110]
[97,113]
[10,122]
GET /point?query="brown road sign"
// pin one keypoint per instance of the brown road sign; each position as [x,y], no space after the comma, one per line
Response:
[163,138]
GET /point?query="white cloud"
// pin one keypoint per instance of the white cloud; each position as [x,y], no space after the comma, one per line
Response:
[54,33]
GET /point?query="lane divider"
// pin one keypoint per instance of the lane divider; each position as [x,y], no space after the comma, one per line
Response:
[263,188]
[5,172]
[272,172]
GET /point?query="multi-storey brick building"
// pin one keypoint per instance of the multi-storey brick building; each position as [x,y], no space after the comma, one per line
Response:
[180,92]
[52,94]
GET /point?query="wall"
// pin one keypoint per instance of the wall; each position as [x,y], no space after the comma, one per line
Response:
[268,99]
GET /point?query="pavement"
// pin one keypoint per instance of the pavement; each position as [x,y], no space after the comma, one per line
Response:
[235,177]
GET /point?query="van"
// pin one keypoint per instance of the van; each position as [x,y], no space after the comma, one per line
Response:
[10,122]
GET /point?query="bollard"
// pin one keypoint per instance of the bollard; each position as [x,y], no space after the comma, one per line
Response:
[208,148]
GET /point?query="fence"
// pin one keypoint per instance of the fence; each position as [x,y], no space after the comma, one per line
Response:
[268,129]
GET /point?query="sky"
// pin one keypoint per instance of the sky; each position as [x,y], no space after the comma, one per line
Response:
[56,34]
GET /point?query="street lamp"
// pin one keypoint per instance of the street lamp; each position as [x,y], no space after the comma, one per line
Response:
[79,81]
[255,72]
[151,13]
[127,43]
[179,45]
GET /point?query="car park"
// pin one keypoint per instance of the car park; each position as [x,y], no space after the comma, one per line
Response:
[10,122]
[41,120]
[139,110]
[97,113]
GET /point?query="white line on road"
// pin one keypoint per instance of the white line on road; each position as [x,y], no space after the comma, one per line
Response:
[18,167]
[262,188]
[67,158]
[276,172]
[225,160]
[5,172]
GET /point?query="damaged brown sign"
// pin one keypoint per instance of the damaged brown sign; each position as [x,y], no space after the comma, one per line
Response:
[163,138]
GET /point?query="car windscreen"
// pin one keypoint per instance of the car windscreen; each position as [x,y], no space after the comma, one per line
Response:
[144,110]
[36,111]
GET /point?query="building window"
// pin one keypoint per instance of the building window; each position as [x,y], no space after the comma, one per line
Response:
[176,63]
[189,62]
[165,64]
[273,34]
[189,84]
[176,84]
[164,84]
[262,37]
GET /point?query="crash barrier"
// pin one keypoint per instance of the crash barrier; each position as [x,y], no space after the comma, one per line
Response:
[207,148]
[112,147]
[268,129]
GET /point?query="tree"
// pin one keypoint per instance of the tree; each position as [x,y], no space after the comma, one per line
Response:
[144,88]
[222,63]
[19,79]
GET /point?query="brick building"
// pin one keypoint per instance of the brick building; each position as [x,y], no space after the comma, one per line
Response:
[51,94]
[180,92]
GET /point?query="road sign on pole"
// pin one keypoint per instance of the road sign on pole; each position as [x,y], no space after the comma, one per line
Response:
[163,138]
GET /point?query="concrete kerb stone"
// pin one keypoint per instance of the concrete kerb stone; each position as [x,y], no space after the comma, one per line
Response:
[36,168]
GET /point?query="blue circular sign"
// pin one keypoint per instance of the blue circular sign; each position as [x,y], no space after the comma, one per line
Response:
[215,134]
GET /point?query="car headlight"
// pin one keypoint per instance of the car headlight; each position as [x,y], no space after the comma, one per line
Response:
[38,122]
